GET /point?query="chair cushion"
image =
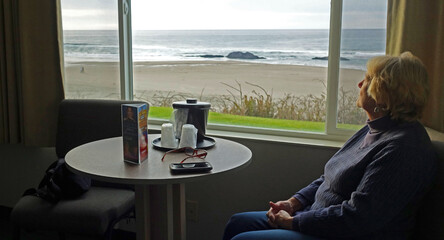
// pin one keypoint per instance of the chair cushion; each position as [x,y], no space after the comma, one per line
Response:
[90,214]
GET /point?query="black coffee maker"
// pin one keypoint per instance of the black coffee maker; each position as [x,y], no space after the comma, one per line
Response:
[193,112]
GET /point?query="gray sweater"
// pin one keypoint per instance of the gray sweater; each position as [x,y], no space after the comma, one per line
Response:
[372,186]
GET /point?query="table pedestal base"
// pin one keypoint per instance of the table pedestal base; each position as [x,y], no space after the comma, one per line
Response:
[160,211]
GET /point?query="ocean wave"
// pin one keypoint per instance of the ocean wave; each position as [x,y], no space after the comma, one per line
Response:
[207,56]
[277,47]
[270,58]
[81,44]
[362,53]
[150,47]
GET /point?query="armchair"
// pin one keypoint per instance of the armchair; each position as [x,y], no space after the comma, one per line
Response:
[97,211]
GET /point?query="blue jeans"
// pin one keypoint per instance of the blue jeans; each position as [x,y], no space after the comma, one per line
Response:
[254,226]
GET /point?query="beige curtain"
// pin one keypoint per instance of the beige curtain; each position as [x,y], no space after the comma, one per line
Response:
[31,73]
[418,26]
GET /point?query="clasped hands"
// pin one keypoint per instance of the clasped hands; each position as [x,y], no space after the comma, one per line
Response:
[281,212]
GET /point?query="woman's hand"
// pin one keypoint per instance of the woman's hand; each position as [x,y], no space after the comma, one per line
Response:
[280,212]
[281,220]
[290,206]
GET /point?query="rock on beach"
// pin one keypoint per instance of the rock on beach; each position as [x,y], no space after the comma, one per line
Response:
[243,55]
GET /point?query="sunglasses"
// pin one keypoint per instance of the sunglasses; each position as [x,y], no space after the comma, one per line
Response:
[189,151]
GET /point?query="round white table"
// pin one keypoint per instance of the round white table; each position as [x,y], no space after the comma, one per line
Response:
[160,195]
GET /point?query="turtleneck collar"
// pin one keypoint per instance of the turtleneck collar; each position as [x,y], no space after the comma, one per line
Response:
[381,124]
[376,128]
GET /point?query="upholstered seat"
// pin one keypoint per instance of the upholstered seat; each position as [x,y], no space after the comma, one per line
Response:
[96,206]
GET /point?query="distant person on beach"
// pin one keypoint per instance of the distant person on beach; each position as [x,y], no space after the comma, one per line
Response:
[372,186]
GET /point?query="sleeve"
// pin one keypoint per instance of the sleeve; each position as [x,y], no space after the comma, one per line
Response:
[394,178]
[307,195]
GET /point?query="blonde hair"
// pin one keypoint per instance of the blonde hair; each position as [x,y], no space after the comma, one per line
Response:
[400,83]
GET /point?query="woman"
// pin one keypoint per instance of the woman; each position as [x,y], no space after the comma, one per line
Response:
[373,185]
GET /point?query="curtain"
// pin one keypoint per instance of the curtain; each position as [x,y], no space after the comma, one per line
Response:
[31,71]
[418,26]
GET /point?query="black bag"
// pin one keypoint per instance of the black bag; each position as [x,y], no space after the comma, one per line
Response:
[60,183]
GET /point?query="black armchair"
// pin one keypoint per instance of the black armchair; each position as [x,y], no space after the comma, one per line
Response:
[430,219]
[97,211]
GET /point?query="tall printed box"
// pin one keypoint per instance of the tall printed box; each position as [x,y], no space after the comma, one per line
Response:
[135,132]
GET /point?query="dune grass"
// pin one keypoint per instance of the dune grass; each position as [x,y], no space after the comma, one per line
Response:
[260,109]
[230,119]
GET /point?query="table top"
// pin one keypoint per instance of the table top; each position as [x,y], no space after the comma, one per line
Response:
[103,160]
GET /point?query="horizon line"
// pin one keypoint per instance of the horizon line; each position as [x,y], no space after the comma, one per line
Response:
[246,29]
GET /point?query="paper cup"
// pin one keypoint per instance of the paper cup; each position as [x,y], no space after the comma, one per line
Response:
[168,139]
[188,137]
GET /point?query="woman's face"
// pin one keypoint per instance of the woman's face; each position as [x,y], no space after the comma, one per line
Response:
[365,101]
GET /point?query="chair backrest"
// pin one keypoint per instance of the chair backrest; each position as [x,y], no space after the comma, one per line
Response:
[85,120]
[430,220]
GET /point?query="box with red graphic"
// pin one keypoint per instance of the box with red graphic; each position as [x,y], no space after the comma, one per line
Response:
[135,132]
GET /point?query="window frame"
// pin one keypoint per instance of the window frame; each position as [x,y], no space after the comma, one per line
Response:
[332,132]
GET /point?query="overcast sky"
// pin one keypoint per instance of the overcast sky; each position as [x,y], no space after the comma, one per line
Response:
[223,14]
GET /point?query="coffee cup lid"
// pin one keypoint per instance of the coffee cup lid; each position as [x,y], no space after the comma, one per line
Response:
[191,103]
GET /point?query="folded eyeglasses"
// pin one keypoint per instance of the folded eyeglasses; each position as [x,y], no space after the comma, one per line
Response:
[189,151]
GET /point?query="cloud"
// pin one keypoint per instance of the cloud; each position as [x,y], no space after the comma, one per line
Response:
[89,19]
[282,6]
[355,19]
[85,13]
[223,14]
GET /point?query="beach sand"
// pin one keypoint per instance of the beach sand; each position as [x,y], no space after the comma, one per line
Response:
[193,78]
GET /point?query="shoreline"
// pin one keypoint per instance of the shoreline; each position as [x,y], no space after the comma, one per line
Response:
[190,61]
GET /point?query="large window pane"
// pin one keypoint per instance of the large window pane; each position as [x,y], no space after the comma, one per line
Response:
[363,37]
[182,49]
[91,49]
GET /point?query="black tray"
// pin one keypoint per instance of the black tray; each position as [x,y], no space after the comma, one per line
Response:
[206,143]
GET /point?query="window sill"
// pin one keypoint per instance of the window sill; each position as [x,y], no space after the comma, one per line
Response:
[281,139]
[311,139]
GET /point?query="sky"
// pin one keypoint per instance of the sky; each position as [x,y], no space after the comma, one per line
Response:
[222,14]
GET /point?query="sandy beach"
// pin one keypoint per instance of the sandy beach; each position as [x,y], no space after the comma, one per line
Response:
[193,78]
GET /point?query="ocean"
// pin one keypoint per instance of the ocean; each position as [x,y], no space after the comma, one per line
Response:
[295,47]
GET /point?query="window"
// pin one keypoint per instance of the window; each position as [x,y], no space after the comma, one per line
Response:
[203,49]
[202,52]
[363,36]
[91,49]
